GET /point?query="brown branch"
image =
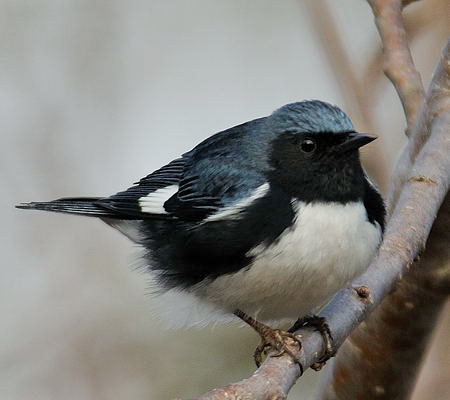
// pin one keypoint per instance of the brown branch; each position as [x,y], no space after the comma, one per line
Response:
[406,234]
[398,63]
[420,19]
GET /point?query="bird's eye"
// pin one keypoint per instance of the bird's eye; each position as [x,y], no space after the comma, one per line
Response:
[308,146]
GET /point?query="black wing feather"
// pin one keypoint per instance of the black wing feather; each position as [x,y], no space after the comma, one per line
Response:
[127,202]
[87,206]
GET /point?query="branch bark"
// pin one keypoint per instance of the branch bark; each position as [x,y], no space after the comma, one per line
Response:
[405,237]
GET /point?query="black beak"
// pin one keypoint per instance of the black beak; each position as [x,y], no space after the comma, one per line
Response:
[355,141]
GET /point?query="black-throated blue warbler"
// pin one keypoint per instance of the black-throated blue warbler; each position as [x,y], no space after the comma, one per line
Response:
[268,219]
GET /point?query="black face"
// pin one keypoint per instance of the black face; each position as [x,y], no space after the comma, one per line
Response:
[319,166]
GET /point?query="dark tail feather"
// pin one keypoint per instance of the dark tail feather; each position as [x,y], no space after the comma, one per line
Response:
[76,205]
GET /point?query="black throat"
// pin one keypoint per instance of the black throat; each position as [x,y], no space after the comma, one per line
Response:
[326,177]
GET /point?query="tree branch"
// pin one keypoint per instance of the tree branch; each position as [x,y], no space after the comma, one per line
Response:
[431,12]
[438,95]
[405,237]
[398,63]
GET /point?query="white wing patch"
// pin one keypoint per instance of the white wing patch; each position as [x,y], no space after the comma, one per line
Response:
[233,211]
[153,203]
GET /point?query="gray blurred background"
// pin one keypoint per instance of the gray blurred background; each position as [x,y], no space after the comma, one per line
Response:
[96,94]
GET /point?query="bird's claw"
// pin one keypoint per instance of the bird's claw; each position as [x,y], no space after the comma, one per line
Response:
[272,339]
[279,341]
[321,326]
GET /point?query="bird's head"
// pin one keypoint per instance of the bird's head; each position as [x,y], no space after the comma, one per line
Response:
[315,152]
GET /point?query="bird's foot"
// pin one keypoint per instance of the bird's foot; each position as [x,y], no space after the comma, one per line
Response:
[279,341]
[282,342]
[320,325]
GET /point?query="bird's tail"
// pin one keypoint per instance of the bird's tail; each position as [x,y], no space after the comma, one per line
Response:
[88,206]
[75,205]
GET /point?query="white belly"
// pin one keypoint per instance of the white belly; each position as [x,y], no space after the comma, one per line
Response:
[328,245]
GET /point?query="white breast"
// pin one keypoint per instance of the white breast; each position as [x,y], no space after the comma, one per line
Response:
[328,245]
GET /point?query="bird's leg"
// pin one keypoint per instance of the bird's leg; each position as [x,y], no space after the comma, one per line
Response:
[320,325]
[275,339]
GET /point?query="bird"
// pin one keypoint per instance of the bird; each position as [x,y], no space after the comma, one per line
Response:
[265,221]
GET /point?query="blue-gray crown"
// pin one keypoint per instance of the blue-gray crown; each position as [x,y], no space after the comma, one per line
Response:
[310,116]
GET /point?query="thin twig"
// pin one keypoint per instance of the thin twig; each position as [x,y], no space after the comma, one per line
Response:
[416,22]
[398,63]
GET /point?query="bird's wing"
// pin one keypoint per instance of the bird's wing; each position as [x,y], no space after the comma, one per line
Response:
[212,179]
[219,190]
